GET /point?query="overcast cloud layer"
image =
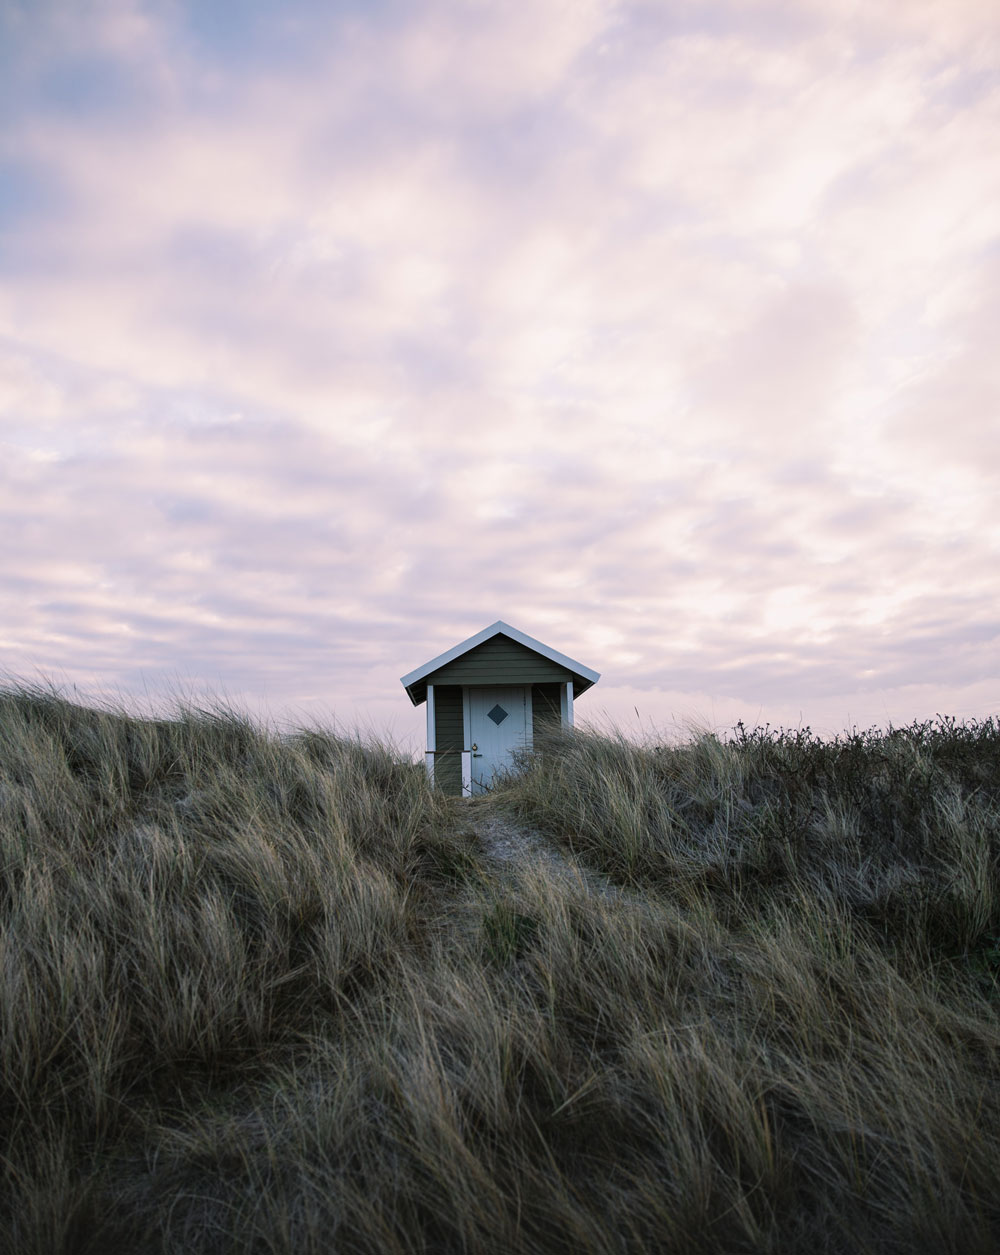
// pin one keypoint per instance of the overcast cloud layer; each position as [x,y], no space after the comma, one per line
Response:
[668,332]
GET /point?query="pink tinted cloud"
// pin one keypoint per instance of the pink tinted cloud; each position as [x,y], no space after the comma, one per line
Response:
[652,338]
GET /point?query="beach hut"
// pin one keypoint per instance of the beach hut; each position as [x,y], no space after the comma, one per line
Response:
[486,698]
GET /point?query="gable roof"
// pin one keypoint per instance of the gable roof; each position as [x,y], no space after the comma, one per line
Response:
[415,682]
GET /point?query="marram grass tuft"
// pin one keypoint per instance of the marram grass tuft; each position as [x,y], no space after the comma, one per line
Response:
[263,994]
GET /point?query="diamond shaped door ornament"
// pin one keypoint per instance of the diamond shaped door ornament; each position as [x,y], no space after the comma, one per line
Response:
[497,714]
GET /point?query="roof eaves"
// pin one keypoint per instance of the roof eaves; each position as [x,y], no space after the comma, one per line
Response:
[413,678]
[450,655]
[548,652]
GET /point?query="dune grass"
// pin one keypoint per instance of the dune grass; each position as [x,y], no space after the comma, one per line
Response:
[263,994]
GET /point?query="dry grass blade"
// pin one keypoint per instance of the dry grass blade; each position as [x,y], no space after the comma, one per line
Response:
[264,994]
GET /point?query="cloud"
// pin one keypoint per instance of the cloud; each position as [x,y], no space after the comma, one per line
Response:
[326,341]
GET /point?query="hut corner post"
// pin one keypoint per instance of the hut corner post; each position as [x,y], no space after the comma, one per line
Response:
[431,734]
[466,773]
[566,704]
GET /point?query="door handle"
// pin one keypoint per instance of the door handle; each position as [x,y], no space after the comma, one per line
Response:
[477,755]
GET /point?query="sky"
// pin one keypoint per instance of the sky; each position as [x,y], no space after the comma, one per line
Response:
[331,333]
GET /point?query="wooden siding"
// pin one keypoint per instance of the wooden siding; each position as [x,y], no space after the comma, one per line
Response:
[545,705]
[449,729]
[500,661]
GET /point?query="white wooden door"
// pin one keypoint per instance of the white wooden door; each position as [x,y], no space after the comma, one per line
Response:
[499,723]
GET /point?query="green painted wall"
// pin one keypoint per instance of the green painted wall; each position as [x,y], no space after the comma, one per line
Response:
[500,661]
[545,705]
[449,728]
[449,734]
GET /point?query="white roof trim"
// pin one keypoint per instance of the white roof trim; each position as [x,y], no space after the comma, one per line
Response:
[495,629]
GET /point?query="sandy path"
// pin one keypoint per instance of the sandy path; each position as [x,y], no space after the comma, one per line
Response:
[514,847]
